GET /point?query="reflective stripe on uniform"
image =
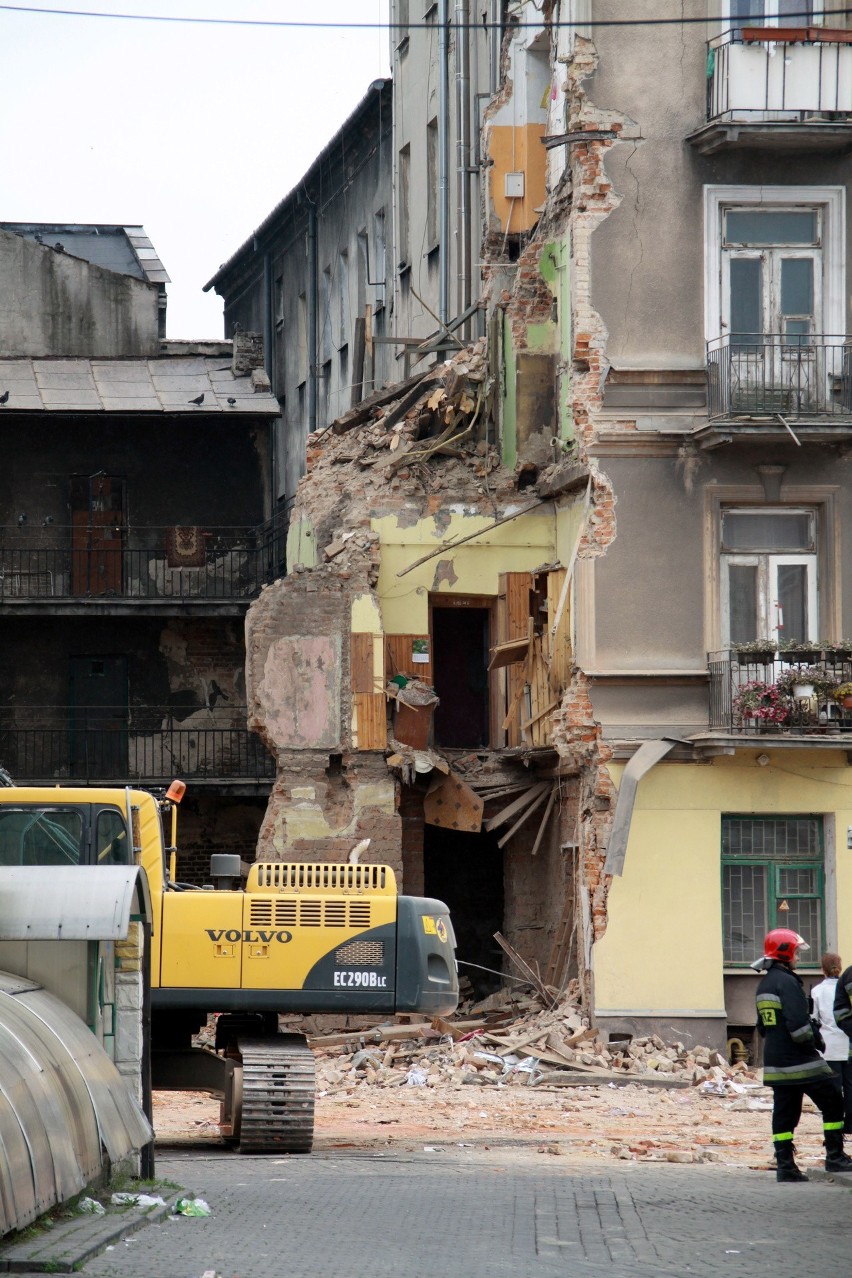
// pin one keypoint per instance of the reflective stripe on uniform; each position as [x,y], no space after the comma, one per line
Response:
[832,1127]
[804,1032]
[783,1136]
[802,1073]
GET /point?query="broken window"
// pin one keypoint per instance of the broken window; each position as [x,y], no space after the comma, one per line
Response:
[772,876]
[769,574]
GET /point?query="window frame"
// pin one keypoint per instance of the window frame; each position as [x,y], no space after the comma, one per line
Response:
[830,200]
[766,563]
[811,958]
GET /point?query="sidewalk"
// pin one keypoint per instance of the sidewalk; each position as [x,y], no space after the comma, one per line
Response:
[344,1215]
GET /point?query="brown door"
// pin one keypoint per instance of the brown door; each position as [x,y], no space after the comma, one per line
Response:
[97,530]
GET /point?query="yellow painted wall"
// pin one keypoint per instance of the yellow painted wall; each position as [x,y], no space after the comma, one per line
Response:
[524,544]
[662,950]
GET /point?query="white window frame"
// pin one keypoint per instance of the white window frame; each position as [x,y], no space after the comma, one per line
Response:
[775,19]
[832,201]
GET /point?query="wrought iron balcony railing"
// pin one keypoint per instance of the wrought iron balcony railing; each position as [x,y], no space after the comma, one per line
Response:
[769,375]
[118,562]
[758,696]
[796,74]
[39,744]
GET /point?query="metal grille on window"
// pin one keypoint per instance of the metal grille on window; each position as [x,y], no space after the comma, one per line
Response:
[744,912]
[793,838]
[361,954]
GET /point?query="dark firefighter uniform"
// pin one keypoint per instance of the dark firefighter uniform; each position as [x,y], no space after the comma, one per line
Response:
[792,1066]
[843,1002]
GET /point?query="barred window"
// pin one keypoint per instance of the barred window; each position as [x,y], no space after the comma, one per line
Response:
[772,876]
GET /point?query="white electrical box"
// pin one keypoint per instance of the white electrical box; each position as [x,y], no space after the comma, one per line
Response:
[514,186]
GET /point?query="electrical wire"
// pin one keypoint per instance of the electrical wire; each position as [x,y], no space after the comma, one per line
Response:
[806,14]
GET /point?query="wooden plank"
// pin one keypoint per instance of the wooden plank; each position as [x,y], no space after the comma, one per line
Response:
[504,654]
[361,663]
[544,819]
[521,819]
[399,657]
[523,967]
[358,353]
[508,812]
[371,720]
[558,640]
[514,590]
[381,1034]
[551,705]
[355,416]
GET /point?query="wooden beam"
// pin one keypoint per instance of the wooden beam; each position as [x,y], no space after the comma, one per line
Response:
[522,818]
[544,819]
[506,814]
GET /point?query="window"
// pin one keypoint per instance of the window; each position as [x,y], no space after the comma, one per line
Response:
[775,265]
[325,314]
[771,274]
[773,13]
[431,184]
[772,876]
[362,266]
[112,846]
[302,335]
[404,197]
[29,836]
[380,266]
[399,32]
[769,574]
[343,298]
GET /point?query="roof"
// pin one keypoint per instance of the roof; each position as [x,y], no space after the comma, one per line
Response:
[134,386]
[368,101]
[123,249]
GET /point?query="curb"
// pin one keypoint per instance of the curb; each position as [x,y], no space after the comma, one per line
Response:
[69,1244]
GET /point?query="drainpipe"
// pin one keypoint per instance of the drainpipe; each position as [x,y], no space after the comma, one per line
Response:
[463,238]
[312,308]
[496,37]
[443,159]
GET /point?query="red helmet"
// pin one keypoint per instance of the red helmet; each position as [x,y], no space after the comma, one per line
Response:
[781,944]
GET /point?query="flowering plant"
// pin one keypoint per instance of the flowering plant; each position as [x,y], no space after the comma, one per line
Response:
[763,701]
[796,676]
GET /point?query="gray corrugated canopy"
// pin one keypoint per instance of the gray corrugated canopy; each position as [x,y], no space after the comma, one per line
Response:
[71,903]
[63,1104]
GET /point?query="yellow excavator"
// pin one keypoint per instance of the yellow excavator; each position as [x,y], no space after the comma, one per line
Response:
[318,937]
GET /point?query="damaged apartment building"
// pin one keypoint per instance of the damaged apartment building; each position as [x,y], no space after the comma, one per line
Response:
[137,517]
[593,494]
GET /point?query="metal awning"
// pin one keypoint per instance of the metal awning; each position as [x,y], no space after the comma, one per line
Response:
[649,753]
[71,903]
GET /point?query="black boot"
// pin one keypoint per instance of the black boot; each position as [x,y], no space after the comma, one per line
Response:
[786,1169]
[835,1159]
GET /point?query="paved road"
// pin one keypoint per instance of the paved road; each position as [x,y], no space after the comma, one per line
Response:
[347,1215]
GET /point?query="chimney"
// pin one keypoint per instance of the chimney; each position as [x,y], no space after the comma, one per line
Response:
[247,352]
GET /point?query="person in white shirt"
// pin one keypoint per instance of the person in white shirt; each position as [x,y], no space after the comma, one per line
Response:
[837,1045]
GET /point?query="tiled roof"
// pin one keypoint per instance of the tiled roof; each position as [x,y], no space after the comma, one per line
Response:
[130,386]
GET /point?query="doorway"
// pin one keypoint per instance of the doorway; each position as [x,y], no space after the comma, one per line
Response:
[466,872]
[461,633]
[98,717]
[97,530]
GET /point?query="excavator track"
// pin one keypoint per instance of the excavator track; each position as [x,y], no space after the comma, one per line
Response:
[274,1106]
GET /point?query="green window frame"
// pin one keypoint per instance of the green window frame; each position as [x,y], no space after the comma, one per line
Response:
[767,862]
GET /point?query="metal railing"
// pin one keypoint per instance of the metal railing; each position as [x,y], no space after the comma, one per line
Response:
[43,744]
[770,375]
[118,562]
[745,695]
[751,80]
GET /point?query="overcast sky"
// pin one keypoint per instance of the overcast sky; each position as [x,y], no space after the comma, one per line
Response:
[194,132]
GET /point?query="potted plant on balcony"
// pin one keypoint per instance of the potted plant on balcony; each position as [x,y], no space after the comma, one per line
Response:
[843,694]
[762,702]
[802,682]
[799,650]
[760,652]
[839,651]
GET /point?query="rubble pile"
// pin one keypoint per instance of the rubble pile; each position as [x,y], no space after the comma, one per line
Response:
[438,414]
[516,1042]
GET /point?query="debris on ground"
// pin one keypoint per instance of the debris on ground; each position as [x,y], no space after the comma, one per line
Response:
[514,1040]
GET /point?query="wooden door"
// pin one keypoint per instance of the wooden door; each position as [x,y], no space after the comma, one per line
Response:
[97,532]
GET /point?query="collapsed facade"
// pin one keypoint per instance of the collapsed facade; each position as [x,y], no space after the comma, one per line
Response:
[625,470]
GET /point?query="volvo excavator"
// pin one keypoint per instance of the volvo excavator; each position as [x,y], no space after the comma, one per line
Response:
[318,937]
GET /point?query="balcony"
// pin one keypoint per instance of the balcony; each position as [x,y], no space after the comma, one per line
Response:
[43,745]
[756,377]
[778,88]
[103,567]
[759,697]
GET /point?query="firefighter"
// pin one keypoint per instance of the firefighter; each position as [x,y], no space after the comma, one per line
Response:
[843,1004]
[792,1065]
